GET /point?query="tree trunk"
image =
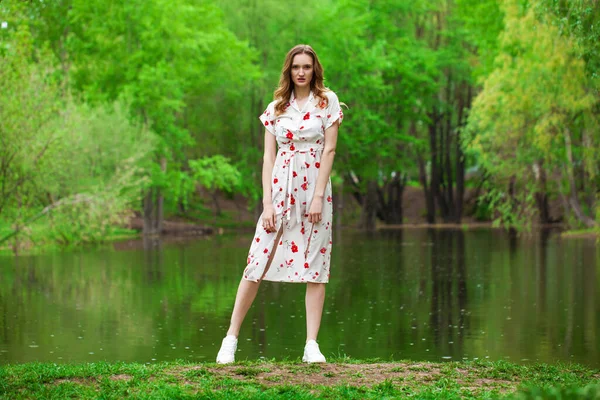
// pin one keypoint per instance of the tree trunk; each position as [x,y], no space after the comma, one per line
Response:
[436,174]
[460,157]
[447,156]
[148,207]
[215,199]
[393,206]
[160,202]
[573,198]
[369,210]
[511,194]
[540,195]
[429,200]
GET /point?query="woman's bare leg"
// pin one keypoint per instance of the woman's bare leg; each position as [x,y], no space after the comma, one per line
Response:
[243,300]
[315,297]
[246,294]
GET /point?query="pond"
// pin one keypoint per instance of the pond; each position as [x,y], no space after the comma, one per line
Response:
[418,294]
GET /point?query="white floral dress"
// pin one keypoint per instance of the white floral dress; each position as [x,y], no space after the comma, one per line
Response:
[303,251]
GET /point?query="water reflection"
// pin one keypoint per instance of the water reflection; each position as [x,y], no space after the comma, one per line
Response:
[424,294]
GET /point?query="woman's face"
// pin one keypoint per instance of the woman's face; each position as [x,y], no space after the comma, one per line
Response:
[302,70]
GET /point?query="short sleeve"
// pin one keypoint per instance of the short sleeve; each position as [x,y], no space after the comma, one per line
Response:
[334,111]
[268,117]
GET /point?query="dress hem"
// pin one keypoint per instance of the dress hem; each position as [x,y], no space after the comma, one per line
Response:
[285,281]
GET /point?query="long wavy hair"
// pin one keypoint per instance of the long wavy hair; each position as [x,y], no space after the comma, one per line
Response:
[286,85]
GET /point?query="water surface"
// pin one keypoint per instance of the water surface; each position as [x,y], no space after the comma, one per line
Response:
[419,294]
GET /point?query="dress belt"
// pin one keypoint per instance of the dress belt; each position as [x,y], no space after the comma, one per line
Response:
[294,149]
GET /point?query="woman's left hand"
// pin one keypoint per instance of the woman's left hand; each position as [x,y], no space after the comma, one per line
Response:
[316,208]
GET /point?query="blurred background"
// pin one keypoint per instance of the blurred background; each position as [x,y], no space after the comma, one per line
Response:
[122,118]
[119,115]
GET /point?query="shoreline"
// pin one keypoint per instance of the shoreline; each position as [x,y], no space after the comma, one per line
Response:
[177,231]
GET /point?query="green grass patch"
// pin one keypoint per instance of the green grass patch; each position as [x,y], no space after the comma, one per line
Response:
[592,232]
[294,380]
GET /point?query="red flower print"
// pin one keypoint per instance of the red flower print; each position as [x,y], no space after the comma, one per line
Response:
[289,262]
[323,250]
[266,123]
[282,203]
[306,116]
[287,105]
[292,200]
[302,230]
[304,186]
[257,240]
[281,242]
[294,247]
[248,260]
[275,180]
[302,127]
[292,148]
[329,199]
[316,231]
[328,116]
[317,164]
[304,179]
[294,174]
[307,165]
[316,273]
[265,251]
[281,189]
[289,135]
[305,265]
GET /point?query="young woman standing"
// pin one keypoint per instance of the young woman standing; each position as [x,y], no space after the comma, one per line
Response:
[292,242]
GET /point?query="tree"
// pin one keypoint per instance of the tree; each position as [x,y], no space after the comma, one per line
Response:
[534,116]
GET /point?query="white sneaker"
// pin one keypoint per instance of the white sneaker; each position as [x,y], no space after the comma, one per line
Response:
[312,354]
[226,354]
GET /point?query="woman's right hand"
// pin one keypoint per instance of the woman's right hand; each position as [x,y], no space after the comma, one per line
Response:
[268,218]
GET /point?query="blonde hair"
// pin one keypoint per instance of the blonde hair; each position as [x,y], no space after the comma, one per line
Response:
[286,86]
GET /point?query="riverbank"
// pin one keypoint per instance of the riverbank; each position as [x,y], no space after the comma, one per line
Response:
[340,378]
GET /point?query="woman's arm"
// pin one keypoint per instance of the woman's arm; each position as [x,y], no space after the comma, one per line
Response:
[267,170]
[325,168]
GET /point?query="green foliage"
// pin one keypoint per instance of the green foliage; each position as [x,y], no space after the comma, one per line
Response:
[78,166]
[535,110]
[215,173]
[198,75]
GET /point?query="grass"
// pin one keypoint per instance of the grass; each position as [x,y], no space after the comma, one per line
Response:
[591,232]
[294,380]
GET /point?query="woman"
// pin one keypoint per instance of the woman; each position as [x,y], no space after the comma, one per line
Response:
[292,242]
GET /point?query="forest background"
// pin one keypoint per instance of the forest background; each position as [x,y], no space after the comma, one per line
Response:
[110,109]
